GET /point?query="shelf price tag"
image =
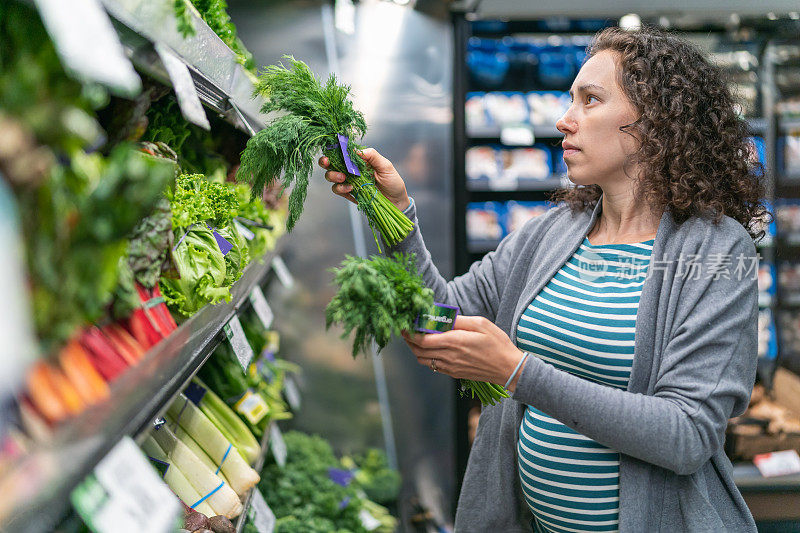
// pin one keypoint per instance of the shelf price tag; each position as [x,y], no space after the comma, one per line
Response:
[182,83]
[88,45]
[292,393]
[778,463]
[242,349]
[261,307]
[284,276]
[368,522]
[124,494]
[277,445]
[260,514]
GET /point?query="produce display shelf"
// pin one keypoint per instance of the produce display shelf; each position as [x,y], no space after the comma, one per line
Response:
[221,82]
[493,134]
[138,397]
[548,184]
[262,458]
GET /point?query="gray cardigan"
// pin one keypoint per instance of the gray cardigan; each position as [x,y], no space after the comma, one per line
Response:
[693,368]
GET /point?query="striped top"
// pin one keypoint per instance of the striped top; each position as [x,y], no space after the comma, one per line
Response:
[583,322]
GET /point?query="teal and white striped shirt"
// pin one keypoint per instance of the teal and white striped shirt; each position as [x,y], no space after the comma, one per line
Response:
[583,322]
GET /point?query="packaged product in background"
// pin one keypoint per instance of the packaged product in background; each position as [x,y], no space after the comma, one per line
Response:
[505,108]
[791,153]
[766,284]
[789,281]
[481,163]
[526,163]
[546,107]
[485,221]
[787,213]
[475,115]
[487,62]
[758,150]
[557,64]
[518,213]
[767,338]
[559,165]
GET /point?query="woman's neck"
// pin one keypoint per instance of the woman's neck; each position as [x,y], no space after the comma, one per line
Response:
[624,219]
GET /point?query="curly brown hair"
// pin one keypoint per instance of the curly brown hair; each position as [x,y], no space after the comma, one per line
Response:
[693,148]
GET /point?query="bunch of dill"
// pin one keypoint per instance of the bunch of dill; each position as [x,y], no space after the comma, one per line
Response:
[383,296]
[314,114]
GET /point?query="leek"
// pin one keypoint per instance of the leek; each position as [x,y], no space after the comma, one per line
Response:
[175,479]
[196,448]
[229,423]
[242,478]
[220,496]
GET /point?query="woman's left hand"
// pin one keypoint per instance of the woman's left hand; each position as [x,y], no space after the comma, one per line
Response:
[474,349]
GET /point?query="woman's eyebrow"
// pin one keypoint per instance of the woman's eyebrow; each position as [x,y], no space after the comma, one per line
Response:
[587,87]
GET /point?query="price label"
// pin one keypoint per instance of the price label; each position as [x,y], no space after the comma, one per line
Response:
[778,463]
[369,522]
[261,306]
[252,406]
[260,514]
[125,495]
[182,83]
[242,349]
[277,445]
[87,43]
[292,393]
[245,232]
[284,276]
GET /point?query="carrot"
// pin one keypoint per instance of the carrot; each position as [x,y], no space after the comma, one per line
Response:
[77,366]
[43,394]
[72,400]
[125,345]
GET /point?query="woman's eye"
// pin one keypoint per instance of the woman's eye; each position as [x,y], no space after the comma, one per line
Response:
[591,98]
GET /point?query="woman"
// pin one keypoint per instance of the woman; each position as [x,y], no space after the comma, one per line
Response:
[623,320]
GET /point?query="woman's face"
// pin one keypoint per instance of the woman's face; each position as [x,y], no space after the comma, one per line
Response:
[595,150]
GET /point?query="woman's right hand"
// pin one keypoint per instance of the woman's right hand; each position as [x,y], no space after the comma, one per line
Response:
[389,182]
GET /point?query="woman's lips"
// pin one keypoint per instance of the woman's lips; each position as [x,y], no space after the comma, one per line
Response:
[570,152]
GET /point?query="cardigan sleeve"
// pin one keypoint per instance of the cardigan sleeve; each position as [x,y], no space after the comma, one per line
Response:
[705,376]
[478,291]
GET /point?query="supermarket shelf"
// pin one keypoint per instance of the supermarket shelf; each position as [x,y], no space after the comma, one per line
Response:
[222,83]
[748,478]
[789,124]
[137,398]
[519,184]
[262,458]
[492,134]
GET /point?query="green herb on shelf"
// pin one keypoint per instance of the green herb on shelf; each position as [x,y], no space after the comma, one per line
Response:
[315,116]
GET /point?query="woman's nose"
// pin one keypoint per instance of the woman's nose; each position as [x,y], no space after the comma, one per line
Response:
[566,124]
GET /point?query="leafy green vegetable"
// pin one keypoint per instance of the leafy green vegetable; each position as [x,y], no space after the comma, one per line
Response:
[373,475]
[377,298]
[148,247]
[75,227]
[266,225]
[315,114]
[202,270]
[197,200]
[303,496]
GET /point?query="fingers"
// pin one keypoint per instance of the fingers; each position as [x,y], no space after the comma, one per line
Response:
[343,190]
[334,177]
[470,323]
[376,160]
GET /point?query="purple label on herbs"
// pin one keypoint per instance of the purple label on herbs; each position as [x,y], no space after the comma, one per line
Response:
[344,503]
[348,163]
[340,476]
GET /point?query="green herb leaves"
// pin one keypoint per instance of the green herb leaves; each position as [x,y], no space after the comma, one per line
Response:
[377,298]
[285,150]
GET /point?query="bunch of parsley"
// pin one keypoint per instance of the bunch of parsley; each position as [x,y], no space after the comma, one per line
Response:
[313,115]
